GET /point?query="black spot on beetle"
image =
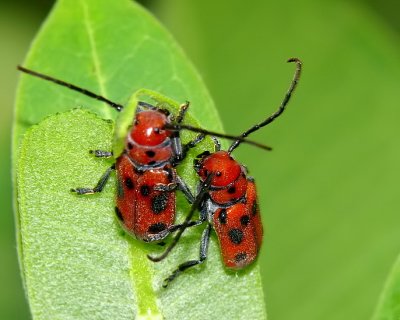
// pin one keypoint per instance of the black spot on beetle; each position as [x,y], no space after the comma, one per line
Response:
[218,173]
[244,220]
[144,190]
[241,256]
[151,163]
[159,203]
[150,153]
[222,216]
[231,190]
[254,208]
[156,130]
[235,235]
[129,183]
[119,214]
[157,227]
[130,146]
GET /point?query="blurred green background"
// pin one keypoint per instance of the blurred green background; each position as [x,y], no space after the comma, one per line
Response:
[329,191]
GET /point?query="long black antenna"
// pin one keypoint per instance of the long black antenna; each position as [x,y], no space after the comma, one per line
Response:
[280,110]
[71,86]
[179,127]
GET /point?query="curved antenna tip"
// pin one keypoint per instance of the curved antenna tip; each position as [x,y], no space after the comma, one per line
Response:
[297,60]
[281,108]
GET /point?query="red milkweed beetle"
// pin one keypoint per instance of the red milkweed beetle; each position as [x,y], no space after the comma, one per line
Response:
[227,200]
[146,154]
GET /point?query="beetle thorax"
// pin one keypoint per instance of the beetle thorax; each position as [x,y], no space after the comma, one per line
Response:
[148,143]
[229,182]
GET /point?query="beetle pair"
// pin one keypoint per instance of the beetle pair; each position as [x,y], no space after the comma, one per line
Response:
[147,150]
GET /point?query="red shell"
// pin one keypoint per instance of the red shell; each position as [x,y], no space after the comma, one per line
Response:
[232,192]
[144,212]
[239,230]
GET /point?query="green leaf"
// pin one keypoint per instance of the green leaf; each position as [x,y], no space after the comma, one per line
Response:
[389,302]
[76,261]
[72,254]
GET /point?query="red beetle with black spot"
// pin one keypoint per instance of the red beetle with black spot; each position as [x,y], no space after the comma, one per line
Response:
[231,205]
[146,175]
[228,202]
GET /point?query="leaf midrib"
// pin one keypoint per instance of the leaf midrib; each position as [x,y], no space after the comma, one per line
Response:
[95,57]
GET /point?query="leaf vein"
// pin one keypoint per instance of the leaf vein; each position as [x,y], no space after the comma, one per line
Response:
[95,56]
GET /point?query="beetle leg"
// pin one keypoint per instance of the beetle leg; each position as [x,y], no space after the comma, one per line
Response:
[99,186]
[180,151]
[182,111]
[205,240]
[101,153]
[205,186]
[193,143]
[192,223]
[181,185]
